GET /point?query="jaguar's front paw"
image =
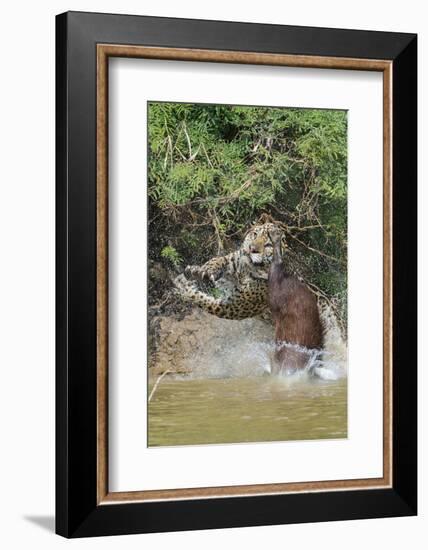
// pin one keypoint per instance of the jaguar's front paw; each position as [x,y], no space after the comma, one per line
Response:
[183,285]
[192,271]
[196,272]
[212,276]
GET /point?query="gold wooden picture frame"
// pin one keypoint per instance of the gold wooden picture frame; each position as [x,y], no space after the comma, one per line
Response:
[106,51]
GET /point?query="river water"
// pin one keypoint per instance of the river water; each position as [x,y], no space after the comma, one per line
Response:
[257,408]
[229,395]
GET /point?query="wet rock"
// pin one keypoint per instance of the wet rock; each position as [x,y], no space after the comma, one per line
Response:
[202,341]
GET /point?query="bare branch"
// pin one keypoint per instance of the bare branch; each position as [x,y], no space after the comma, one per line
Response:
[157,384]
[188,139]
[206,154]
[216,225]
[316,250]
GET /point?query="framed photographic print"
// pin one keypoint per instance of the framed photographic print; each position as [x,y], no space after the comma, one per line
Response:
[236,274]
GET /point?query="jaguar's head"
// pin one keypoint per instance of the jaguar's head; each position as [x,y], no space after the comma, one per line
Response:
[258,243]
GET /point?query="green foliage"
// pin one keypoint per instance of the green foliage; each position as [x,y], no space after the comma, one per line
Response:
[215,292]
[171,254]
[215,169]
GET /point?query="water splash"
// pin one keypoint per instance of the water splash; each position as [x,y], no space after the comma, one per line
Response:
[321,363]
[249,351]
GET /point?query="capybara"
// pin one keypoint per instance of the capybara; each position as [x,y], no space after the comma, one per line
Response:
[295,315]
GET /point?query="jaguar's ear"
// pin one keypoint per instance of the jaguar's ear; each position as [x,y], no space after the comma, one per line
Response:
[265,218]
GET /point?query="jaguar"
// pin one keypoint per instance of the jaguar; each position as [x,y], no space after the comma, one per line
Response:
[238,280]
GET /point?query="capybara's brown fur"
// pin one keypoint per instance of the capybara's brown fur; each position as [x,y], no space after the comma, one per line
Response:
[295,315]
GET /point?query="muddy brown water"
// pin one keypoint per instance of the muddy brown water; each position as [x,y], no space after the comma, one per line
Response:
[246,409]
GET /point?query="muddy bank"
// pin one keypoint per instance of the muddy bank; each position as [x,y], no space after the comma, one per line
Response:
[200,341]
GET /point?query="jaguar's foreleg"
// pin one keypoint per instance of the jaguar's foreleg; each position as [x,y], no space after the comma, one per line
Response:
[227,307]
[214,268]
